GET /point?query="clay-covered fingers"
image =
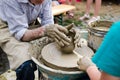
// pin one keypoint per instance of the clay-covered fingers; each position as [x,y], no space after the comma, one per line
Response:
[77,36]
[70,26]
[60,41]
[62,36]
[84,63]
[58,33]
[61,28]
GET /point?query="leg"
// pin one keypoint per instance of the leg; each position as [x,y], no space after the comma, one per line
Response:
[26,71]
[96,10]
[86,15]
[105,76]
[88,5]
[97,7]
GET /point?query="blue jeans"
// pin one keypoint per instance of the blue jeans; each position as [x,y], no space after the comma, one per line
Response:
[26,71]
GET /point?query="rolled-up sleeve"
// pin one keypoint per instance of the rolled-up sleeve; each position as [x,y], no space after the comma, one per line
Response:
[16,19]
[46,14]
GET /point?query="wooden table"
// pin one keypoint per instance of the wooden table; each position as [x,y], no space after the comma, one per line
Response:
[59,10]
[62,8]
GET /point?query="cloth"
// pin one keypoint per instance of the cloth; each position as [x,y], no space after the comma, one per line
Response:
[18,52]
[26,71]
[19,13]
[107,57]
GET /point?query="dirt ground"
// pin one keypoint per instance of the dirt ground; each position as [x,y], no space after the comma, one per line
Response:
[108,11]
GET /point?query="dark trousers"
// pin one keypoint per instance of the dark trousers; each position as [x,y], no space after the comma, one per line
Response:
[26,71]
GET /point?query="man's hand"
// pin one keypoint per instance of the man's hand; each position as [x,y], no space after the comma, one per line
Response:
[77,36]
[58,33]
[74,32]
[84,63]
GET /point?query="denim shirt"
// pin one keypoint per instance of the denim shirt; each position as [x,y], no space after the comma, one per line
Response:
[20,13]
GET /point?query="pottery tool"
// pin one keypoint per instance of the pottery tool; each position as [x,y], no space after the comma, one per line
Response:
[78,55]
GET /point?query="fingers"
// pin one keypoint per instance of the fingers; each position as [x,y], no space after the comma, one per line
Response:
[62,36]
[60,41]
[78,62]
[70,26]
[61,29]
[77,38]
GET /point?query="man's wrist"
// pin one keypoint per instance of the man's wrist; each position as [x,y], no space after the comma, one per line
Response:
[41,32]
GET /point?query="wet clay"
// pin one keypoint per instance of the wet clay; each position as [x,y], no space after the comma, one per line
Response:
[68,49]
[52,56]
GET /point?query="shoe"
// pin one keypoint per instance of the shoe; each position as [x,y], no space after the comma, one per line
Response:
[85,17]
[70,14]
[93,19]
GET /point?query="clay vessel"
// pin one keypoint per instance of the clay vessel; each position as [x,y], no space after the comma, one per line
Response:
[69,48]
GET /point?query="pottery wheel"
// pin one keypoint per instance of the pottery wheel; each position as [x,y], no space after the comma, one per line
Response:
[53,56]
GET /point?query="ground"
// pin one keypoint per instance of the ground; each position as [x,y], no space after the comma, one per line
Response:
[108,11]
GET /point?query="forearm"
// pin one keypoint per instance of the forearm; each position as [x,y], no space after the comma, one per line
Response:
[93,73]
[33,34]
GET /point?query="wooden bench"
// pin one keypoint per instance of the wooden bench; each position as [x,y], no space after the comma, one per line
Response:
[59,10]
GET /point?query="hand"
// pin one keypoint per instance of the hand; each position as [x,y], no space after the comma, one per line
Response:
[84,63]
[58,33]
[77,36]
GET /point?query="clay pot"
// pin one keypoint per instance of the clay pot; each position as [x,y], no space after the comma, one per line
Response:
[69,48]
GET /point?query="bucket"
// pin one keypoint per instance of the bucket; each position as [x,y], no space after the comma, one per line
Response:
[97,32]
[84,33]
[53,74]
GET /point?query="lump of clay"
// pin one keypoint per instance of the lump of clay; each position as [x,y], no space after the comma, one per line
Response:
[68,48]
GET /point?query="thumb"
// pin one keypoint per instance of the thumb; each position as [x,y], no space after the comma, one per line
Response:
[61,28]
[70,26]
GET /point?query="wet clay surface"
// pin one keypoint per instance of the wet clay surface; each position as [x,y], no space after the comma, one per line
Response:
[53,55]
[55,58]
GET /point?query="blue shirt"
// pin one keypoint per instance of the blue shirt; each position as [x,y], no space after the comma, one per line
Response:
[20,13]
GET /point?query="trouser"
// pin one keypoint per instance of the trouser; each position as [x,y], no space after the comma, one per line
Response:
[26,71]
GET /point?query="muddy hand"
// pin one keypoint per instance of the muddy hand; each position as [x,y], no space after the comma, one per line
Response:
[70,26]
[58,33]
[75,32]
[77,36]
[84,63]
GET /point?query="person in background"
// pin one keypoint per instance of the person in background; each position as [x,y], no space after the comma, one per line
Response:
[18,30]
[70,14]
[105,64]
[95,16]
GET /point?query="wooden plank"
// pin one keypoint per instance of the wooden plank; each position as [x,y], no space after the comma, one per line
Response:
[62,8]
